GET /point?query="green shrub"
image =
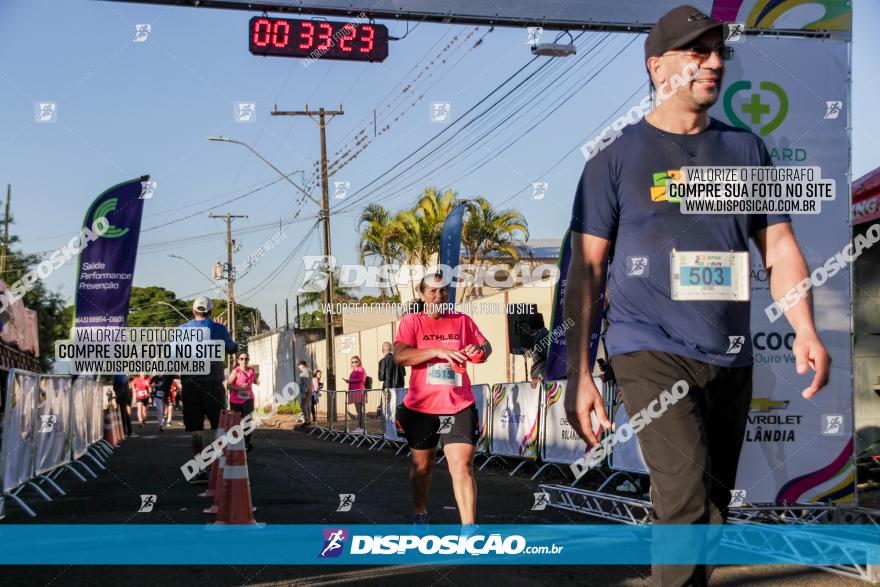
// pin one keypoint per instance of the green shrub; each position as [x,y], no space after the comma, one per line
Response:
[290,408]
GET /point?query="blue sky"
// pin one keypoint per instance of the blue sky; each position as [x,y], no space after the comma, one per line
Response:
[126,109]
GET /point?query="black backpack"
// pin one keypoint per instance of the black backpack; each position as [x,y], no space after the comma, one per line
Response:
[368,382]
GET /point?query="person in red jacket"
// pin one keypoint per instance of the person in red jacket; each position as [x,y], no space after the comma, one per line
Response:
[436,344]
[169,409]
[142,392]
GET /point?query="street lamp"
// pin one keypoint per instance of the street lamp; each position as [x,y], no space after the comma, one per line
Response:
[324,216]
[286,176]
[173,308]
[187,261]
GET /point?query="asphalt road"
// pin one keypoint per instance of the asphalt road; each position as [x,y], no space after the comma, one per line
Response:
[296,478]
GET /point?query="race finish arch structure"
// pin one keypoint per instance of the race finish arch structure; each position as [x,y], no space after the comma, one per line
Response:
[790,84]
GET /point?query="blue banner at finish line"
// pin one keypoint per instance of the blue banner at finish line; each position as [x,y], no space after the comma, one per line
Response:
[557,360]
[752,544]
[450,244]
[106,266]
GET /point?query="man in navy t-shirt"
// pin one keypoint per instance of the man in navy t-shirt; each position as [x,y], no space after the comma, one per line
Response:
[660,330]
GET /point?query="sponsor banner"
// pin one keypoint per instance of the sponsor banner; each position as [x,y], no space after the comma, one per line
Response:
[16,449]
[392,398]
[561,443]
[482,396]
[79,414]
[625,456]
[794,450]
[515,415]
[517,544]
[106,266]
[798,450]
[51,440]
[805,15]
[95,398]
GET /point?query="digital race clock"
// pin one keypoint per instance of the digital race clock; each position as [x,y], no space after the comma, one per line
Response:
[318,39]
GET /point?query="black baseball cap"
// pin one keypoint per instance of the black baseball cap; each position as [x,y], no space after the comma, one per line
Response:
[678,28]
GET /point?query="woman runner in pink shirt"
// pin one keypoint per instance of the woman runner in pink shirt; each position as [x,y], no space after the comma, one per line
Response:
[437,345]
[241,390]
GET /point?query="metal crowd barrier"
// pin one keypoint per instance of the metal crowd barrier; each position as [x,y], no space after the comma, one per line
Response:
[50,423]
[355,417]
[519,424]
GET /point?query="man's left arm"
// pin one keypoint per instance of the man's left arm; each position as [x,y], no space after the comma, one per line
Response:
[786,267]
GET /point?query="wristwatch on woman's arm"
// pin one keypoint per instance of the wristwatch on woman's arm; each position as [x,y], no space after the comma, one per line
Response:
[480,356]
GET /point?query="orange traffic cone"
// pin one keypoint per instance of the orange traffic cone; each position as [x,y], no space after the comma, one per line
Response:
[216,469]
[109,436]
[235,504]
[119,419]
[117,423]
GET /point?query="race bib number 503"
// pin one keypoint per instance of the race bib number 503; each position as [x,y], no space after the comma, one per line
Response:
[710,276]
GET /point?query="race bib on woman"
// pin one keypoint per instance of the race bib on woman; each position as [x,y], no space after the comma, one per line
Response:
[443,374]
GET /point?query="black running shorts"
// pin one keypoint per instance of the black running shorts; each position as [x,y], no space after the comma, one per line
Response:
[423,431]
[202,399]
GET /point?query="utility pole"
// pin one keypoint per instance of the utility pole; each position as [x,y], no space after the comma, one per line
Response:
[322,121]
[229,269]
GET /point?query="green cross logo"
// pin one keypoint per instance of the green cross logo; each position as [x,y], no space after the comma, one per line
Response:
[755,109]
[104,210]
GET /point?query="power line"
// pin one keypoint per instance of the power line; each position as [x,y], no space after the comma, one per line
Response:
[349,156]
[572,150]
[277,271]
[497,152]
[158,246]
[354,200]
[436,136]
[505,119]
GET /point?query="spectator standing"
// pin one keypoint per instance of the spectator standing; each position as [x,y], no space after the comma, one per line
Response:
[390,373]
[317,386]
[357,383]
[305,392]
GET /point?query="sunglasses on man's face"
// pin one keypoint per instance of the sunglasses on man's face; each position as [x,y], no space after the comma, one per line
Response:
[702,51]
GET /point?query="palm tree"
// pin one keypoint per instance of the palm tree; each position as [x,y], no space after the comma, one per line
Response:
[417,230]
[489,231]
[378,238]
[433,208]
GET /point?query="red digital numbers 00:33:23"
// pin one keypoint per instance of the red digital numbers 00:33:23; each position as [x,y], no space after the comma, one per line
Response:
[318,39]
